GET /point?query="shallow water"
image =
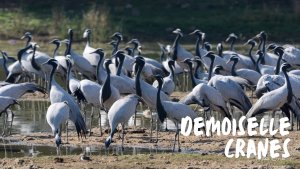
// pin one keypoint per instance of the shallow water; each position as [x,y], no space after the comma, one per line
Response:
[30,117]
[12,151]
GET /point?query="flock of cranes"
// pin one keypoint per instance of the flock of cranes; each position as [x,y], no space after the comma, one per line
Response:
[117,82]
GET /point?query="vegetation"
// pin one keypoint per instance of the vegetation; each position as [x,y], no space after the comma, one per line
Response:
[152,20]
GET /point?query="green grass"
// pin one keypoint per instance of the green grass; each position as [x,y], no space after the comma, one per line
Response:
[153,20]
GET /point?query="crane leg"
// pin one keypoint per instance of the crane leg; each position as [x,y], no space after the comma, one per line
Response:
[11,122]
[157,129]
[67,132]
[166,129]
[187,82]
[100,126]
[151,124]
[123,134]
[177,131]
[4,123]
[292,121]
[134,120]
[91,120]
[176,135]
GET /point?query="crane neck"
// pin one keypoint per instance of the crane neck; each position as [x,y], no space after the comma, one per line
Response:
[21,52]
[162,114]
[162,56]
[5,65]
[211,67]
[233,72]
[232,44]
[263,50]
[52,78]
[250,54]
[56,50]
[106,88]
[196,71]
[277,69]
[257,64]
[120,65]
[33,61]
[198,47]
[192,76]
[175,47]
[69,46]
[69,76]
[289,87]
[171,75]
[28,41]
[88,40]
[100,70]
[137,80]
[220,52]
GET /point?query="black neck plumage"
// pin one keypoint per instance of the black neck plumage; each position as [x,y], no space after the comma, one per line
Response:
[211,67]
[250,55]
[289,87]
[162,114]
[233,73]
[22,51]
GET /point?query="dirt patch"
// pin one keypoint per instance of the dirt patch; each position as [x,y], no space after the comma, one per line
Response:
[211,148]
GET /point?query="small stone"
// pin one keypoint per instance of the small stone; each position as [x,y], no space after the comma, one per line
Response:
[58,160]
[204,153]
[151,156]
[192,167]
[168,162]
[30,138]
[19,161]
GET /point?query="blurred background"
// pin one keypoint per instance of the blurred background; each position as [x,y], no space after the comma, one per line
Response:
[150,20]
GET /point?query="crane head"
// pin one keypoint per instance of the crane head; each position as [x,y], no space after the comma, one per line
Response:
[251,42]
[187,61]
[217,69]
[26,35]
[117,35]
[271,46]
[107,142]
[159,79]
[87,33]
[57,140]
[285,66]
[196,32]
[279,50]
[178,32]
[98,51]
[233,58]
[55,42]
[231,37]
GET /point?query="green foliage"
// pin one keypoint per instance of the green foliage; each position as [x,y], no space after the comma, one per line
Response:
[153,20]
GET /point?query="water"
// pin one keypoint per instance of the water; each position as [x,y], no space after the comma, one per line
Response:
[30,117]
[15,151]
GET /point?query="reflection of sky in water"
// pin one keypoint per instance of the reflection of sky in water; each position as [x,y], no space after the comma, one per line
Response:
[12,151]
[30,117]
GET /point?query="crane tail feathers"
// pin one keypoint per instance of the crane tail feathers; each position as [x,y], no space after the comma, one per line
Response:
[80,126]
